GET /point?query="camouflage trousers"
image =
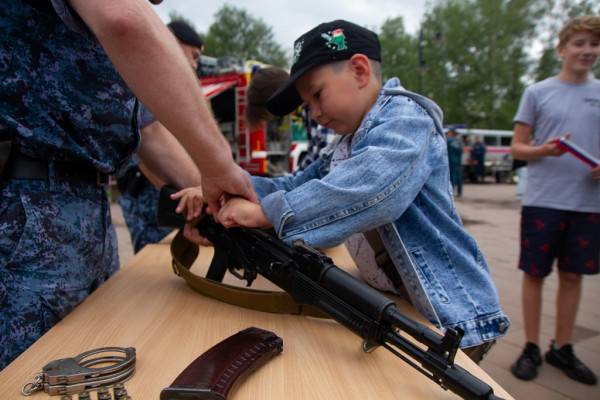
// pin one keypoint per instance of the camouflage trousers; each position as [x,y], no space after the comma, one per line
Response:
[139,212]
[57,246]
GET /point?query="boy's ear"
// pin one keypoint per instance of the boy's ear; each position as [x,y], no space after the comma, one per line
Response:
[361,69]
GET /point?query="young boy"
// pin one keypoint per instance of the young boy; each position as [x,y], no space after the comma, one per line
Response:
[561,207]
[387,195]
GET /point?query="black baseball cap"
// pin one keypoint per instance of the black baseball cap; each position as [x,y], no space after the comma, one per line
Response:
[329,42]
[185,33]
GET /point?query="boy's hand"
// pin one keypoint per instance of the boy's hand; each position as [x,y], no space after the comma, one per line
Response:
[192,234]
[190,202]
[241,212]
[551,147]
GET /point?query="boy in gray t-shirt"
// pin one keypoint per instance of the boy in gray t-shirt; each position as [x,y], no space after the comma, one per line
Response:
[561,206]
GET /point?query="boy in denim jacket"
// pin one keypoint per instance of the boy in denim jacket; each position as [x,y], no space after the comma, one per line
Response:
[387,195]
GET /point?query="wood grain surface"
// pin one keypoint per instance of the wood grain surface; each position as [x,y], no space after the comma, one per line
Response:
[146,306]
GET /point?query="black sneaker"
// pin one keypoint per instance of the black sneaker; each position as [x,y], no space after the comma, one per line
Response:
[565,359]
[526,366]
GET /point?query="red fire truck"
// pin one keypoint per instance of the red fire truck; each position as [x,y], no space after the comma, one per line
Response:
[224,83]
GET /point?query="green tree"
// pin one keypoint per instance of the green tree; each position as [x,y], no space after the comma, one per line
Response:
[475,52]
[398,52]
[235,33]
[549,64]
[176,16]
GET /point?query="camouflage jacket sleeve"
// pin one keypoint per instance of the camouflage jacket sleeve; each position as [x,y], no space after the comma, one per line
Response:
[70,17]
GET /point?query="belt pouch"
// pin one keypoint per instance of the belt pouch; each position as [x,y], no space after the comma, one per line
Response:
[6,143]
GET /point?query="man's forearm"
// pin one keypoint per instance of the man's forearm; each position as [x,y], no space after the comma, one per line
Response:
[154,179]
[149,59]
[166,159]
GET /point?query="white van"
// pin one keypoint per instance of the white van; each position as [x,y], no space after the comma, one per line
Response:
[498,158]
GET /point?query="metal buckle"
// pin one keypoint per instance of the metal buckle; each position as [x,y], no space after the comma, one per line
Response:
[75,375]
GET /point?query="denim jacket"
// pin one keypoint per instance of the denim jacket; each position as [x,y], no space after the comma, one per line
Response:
[397,181]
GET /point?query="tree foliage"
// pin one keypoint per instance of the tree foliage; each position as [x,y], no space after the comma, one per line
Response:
[475,53]
[235,33]
[474,57]
[398,51]
[176,16]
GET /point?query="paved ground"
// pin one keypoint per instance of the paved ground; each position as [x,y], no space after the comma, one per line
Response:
[491,214]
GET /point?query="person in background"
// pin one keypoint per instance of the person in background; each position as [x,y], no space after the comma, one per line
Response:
[455,156]
[560,218]
[478,151]
[320,140]
[138,189]
[264,82]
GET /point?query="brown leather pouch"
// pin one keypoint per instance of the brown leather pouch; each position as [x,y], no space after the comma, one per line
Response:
[212,375]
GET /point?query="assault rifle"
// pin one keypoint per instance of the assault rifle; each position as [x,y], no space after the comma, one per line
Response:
[311,278]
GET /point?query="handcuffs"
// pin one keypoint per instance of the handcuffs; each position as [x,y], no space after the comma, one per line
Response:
[75,375]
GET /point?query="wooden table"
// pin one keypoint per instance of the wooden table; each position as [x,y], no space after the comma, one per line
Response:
[146,306]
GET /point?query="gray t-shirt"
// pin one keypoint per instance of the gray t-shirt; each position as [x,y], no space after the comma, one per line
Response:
[553,108]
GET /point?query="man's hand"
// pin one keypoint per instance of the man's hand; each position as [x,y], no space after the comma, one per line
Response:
[241,212]
[142,48]
[232,181]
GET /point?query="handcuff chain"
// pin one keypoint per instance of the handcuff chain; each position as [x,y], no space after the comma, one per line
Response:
[35,385]
[75,374]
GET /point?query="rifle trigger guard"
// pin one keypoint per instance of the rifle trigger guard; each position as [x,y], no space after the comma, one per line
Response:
[248,276]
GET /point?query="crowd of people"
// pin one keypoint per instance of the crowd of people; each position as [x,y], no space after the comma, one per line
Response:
[383,187]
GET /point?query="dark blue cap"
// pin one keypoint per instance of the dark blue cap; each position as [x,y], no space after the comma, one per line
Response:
[185,33]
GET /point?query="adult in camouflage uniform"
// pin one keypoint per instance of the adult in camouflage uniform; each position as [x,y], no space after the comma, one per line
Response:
[71,116]
[139,196]
[57,243]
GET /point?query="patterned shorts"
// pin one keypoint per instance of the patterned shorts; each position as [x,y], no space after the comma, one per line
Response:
[571,237]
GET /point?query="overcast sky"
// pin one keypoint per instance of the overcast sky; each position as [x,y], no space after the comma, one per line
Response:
[290,19]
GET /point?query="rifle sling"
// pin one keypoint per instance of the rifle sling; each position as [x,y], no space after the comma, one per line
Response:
[184,253]
[383,260]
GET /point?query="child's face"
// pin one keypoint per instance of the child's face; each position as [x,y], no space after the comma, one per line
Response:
[580,52]
[335,97]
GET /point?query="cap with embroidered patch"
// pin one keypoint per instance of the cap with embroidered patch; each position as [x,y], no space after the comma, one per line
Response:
[329,42]
[185,34]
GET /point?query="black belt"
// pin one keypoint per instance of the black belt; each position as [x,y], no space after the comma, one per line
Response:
[132,182]
[21,166]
